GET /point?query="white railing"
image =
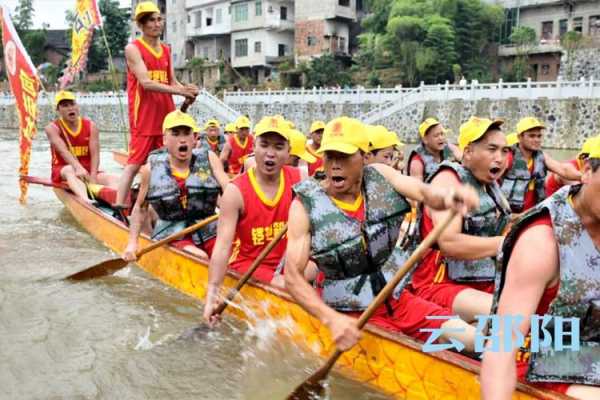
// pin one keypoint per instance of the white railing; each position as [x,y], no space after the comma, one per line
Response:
[471,91]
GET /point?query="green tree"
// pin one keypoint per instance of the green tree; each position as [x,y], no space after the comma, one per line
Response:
[523,37]
[326,71]
[34,40]
[571,41]
[23,20]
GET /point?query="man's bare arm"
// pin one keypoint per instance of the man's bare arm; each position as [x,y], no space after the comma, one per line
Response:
[94,151]
[564,170]
[138,215]
[54,137]
[416,169]
[224,156]
[217,168]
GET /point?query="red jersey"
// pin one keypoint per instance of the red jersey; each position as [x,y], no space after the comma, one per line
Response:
[77,142]
[552,185]
[317,165]
[260,221]
[239,152]
[147,109]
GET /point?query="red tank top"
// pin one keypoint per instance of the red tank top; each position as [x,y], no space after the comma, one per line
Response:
[262,219]
[239,152]
[77,142]
[552,185]
[317,165]
[147,109]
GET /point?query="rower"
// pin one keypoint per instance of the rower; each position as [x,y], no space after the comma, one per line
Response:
[348,225]
[151,83]
[238,146]
[459,273]
[316,133]
[229,129]
[182,185]
[549,266]
[555,182]
[432,150]
[254,208]
[382,145]
[75,147]
[213,137]
[523,181]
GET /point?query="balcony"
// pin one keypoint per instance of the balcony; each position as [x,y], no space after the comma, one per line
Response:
[544,46]
[277,24]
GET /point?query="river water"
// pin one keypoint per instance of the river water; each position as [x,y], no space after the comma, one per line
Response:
[116,337]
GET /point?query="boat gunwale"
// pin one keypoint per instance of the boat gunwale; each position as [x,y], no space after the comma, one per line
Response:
[456,359]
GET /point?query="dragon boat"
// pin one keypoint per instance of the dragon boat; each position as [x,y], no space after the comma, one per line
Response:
[390,362]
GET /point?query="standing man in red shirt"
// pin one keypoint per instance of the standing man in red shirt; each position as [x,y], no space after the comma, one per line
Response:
[316,133]
[150,85]
[238,146]
[75,148]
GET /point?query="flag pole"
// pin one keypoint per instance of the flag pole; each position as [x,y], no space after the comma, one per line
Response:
[111,67]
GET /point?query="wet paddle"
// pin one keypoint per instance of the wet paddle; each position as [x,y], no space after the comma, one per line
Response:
[313,385]
[111,266]
[193,332]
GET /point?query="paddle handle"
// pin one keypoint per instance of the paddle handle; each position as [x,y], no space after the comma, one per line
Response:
[186,104]
[255,264]
[175,236]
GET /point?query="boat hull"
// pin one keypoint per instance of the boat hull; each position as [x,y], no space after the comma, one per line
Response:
[390,362]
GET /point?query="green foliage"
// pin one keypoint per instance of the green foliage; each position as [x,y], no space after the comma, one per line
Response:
[373,79]
[34,40]
[23,20]
[425,38]
[326,71]
[523,37]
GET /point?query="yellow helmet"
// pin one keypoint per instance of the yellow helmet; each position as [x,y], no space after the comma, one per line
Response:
[474,129]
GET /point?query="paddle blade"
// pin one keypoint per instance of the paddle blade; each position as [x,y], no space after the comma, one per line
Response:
[312,387]
[196,333]
[104,268]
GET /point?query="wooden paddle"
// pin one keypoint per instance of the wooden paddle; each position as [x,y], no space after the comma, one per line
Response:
[313,385]
[193,332]
[111,266]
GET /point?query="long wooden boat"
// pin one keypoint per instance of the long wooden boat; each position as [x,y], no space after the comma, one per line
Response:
[391,362]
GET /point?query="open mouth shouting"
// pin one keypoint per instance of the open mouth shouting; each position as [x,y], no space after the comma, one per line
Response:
[494,173]
[182,150]
[338,181]
[270,165]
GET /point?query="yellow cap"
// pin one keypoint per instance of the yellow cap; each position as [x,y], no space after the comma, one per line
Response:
[211,123]
[145,7]
[512,138]
[588,145]
[474,129]
[242,122]
[595,148]
[346,135]
[272,124]
[316,125]
[380,138]
[63,95]
[230,127]
[298,146]
[425,125]
[528,123]
[179,118]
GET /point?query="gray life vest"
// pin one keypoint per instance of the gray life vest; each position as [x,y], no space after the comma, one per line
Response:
[516,180]
[220,143]
[430,165]
[487,221]
[164,196]
[351,253]
[578,294]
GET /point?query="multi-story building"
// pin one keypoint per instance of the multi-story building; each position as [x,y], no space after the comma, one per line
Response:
[326,26]
[208,29]
[262,35]
[550,19]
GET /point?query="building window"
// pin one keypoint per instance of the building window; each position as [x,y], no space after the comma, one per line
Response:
[240,12]
[578,24]
[257,47]
[595,25]
[208,21]
[189,18]
[311,41]
[563,27]
[219,16]
[547,28]
[198,19]
[241,47]
[342,44]
[283,13]
[281,50]
[258,8]
[344,3]
[359,5]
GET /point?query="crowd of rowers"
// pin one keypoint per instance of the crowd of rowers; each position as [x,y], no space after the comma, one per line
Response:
[527,234]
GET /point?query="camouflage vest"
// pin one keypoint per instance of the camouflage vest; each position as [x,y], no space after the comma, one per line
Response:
[351,253]
[220,143]
[516,180]
[578,294]
[430,165]
[489,220]
[164,195]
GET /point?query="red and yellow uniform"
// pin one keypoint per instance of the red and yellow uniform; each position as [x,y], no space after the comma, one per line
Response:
[77,142]
[316,166]
[147,109]
[261,220]
[239,152]
[408,312]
